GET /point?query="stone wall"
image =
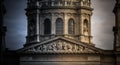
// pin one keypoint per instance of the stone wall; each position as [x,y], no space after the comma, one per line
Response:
[66,59]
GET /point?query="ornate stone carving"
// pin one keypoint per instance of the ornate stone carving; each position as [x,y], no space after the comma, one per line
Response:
[60,46]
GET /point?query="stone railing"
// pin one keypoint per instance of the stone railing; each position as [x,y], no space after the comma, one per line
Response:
[58,3]
[46,4]
[63,3]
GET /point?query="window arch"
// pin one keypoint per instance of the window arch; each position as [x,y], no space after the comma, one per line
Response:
[47,26]
[59,26]
[85,25]
[71,26]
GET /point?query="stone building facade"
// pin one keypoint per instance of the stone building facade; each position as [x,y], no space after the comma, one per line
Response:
[59,33]
[45,16]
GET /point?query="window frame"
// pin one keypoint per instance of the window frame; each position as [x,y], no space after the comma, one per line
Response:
[71,26]
[59,26]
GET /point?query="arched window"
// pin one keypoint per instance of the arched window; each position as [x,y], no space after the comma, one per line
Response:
[85,25]
[59,26]
[71,26]
[47,26]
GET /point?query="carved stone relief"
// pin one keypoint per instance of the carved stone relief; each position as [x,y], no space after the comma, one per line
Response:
[59,46]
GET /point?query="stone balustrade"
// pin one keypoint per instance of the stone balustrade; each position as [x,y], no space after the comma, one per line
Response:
[61,4]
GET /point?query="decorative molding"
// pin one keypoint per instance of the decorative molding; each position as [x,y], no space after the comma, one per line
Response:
[58,14]
[72,14]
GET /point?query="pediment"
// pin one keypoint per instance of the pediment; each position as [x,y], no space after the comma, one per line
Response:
[60,45]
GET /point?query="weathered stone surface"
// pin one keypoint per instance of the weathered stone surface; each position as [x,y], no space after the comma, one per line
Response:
[65,48]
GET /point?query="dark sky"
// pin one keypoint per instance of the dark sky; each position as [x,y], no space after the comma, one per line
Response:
[16,23]
[102,23]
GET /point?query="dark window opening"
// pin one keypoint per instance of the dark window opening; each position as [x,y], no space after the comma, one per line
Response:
[59,26]
[47,26]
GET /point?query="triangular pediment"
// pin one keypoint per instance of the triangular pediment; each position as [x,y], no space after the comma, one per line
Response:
[60,45]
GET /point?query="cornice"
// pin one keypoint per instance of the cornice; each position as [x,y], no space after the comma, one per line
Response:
[67,7]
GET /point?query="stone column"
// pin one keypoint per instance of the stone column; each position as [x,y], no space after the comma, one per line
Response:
[37,24]
[65,24]
[53,21]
